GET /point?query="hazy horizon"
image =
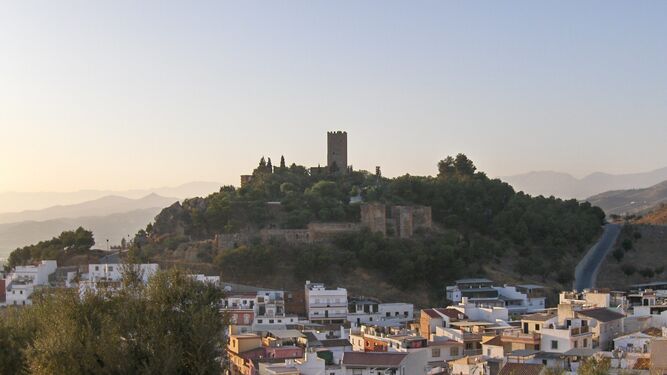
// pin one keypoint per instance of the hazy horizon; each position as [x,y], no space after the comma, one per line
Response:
[124,95]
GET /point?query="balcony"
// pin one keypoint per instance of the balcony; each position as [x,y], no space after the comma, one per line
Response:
[575,331]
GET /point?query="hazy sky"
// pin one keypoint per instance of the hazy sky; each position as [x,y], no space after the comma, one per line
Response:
[124,94]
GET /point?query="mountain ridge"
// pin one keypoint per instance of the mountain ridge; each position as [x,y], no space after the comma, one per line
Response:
[564,185]
[103,206]
[13,201]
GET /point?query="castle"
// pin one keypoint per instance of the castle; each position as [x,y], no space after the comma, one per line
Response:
[336,156]
[389,221]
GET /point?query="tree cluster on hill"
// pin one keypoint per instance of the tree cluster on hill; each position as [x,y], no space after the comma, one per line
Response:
[170,326]
[66,244]
[478,220]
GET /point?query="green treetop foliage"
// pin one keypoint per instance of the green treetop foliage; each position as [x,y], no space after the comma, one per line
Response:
[68,242]
[460,197]
[171,326]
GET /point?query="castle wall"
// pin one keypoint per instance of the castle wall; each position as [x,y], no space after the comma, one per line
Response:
[288,235]
[403,223]
[421,217]
[328,231]
[374,217]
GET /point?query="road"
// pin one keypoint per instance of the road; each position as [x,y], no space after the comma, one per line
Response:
[586,271]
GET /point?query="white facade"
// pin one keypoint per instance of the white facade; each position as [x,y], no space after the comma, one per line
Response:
[214,280]
[114,272]
[109,275]
[485,314]
[519,303]
[325,304]
[362,313]
[21,283]
[633,343]
[561,339]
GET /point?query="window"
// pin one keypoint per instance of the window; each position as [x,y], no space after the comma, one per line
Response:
[585,343]
[454,351]
[576,343]
[435,352]
[357,371]
[270,321]
[97,268]
[259,321]
[388,314]
[537,327]
[554,344]
[110,269]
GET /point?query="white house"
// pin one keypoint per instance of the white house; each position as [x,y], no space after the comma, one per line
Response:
[637,342]
[21,283]
[369,312]
[109,275]
[562,338]
[325,305]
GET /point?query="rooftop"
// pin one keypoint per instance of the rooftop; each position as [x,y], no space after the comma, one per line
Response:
[373,359]
[473,280]
[521,369]
[602,314]
[539,317]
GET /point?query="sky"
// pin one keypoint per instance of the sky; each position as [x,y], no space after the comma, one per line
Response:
[134,94]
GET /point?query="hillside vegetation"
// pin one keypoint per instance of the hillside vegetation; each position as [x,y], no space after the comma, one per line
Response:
[640,256]
[480,223]
[657,216]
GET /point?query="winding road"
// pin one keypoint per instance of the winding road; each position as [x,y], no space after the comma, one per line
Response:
[586,271]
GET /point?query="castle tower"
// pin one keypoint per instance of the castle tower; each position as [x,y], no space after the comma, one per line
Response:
[337,150]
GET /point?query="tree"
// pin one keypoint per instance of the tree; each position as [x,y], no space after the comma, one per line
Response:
[282,163]
[170,326]
[628,269]
[446,167]
[618,254]
[269,166]
[627,244]
[464,166]
[594,366]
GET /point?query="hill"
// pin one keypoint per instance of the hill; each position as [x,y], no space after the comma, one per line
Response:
[563,185]
[632,201]
[99,207]
[480,226]
[21,201]
[640,257]
[656,216]
[113,227]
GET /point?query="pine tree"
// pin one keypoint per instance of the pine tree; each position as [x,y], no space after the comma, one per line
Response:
[282,162]
[269,166]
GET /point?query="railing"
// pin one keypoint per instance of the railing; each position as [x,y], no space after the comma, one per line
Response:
[471,352]
[579,330]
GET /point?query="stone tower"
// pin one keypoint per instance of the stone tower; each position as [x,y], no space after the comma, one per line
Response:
[337,150]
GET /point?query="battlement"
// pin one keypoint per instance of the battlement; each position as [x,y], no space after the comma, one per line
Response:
[337,132]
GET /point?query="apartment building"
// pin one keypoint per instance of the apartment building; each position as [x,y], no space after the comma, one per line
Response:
[325,305]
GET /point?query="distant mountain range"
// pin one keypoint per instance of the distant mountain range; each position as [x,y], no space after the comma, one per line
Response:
[113,227]
[631,201]
[566,186]
[21,201]
[104,206]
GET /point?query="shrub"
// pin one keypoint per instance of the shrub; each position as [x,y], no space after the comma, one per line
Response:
[628,269]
